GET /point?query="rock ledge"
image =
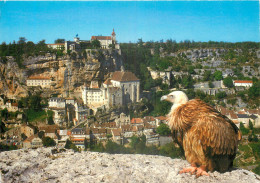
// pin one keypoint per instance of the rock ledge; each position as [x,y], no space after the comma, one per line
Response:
[43,165]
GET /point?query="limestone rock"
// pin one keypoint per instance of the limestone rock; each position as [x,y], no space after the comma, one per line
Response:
[46,165]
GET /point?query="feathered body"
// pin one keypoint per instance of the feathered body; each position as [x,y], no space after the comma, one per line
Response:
[208,138]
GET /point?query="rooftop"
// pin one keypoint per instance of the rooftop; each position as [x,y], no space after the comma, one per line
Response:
[101,37]
[243,81]
[124,76]
[39,78]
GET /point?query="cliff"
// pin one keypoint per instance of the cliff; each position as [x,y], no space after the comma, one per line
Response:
[67,72]
[43,165]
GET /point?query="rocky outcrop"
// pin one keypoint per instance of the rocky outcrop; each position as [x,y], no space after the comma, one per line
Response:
[67,72]
[12,79]
[46,165]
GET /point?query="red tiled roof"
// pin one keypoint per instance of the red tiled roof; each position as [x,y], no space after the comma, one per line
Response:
[235,121]
[149,118]
[124,76]
[136,120]
[29,139]
[243,81]
[14,104]
[126,128]
[49,128]
[38,78]
[116,132]
[162,118]
[101,37]
[102,130]
[108,82]
[233,115]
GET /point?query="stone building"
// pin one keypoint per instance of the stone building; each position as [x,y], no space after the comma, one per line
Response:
[244,83]
[105,41]
[27,130]
[58,46]
[122,88]
[32,142]
[44,82]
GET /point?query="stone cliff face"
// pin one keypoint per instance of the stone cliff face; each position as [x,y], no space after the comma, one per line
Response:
[67,72]
[12,80]
[41,165]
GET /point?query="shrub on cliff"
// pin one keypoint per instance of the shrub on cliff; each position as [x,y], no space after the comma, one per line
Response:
[47,142]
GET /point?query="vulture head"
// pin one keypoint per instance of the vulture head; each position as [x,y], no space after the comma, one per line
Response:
[176,97]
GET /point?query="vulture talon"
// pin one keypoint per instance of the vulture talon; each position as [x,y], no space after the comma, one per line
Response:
[201,172]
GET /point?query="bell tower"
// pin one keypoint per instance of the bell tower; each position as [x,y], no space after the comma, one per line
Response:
[113,36]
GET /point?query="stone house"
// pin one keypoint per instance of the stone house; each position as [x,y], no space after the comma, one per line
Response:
[161,119]
[81,112]
[27,130]
[244,118]
[63,134]
[122,120]
[58,106]
[32,142]
[137,121]
[152,138]
[43,81]
[77,137]
[57,46]
[50,131]
[150,120]
[244,83]
[11,107]
[116,136]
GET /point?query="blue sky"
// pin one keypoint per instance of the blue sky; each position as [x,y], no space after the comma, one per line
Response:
[230,21]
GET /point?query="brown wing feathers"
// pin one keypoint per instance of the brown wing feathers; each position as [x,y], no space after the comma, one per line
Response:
[214,130]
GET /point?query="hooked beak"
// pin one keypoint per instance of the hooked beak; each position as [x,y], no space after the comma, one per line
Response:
[164,97]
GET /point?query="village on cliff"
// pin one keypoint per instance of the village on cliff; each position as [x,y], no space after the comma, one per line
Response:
[83,94]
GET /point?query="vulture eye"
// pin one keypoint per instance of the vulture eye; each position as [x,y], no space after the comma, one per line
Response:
[171,96]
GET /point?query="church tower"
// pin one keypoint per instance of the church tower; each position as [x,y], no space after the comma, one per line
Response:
[113,36]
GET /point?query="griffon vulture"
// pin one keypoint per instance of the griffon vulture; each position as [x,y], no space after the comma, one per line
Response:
[208,138]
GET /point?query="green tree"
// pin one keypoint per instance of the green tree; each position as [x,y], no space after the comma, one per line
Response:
[251,126]
[85,144]
[96,43]
[2,127]
[134,142]
[163,130]
[59,41]
[254,91]
[41,134]
[50,117]
[171,150]
[221,95]
[218,75]
[35,102]
[70,145]
[112,148]
[4,113]
[252,137]
[211,85]
[243,129]
[207,75]
[23,136]
[47,142]
[228,82]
